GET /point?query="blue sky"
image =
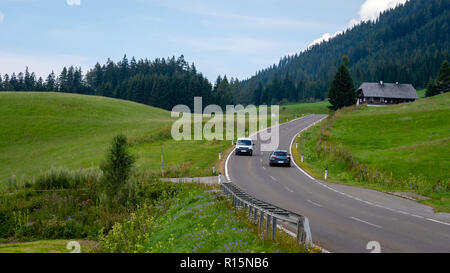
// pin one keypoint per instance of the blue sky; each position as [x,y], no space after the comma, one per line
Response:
[232,37]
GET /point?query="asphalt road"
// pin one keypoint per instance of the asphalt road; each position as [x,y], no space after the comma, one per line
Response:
[342,218]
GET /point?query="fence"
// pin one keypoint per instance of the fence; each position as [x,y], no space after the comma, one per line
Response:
[275,216]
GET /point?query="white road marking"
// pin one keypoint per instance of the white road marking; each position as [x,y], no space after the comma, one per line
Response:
[350,196]
[273,178]
[227,174]
[436,221]
[264,168]
[289,190]
[365,222]
[314,203]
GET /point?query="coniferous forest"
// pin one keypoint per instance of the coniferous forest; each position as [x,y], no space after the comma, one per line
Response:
[407,45]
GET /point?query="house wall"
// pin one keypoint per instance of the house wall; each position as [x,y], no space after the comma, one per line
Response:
[382,101]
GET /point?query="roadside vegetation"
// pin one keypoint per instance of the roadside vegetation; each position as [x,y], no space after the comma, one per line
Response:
[196,220]
[400,148]
[119,208]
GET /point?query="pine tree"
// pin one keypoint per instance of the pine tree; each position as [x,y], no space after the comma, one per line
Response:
[443,79]
[50,82]
[342,92]
[431,88]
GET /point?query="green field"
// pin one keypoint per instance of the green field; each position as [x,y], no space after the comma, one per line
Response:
[41,130]
[405,148]
[44,130]
[291,111]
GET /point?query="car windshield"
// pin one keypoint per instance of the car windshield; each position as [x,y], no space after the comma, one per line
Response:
[244,142]
[280,153]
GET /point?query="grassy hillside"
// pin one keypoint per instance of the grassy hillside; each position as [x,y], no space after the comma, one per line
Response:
[404,147]
[293,110]
[41,130]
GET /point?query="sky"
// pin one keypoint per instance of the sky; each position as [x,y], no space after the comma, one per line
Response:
[234,37]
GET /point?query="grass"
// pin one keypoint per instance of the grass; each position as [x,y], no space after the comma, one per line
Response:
[47,246]
[404,147]
[196,221]
[43,130]
[163,217]
[291,111]
[421,93]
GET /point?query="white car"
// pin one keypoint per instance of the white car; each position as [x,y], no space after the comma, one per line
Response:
[244,146]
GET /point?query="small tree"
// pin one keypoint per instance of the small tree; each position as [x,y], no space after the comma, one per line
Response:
[443,79]
[116,172]
[431,89]
[342,92]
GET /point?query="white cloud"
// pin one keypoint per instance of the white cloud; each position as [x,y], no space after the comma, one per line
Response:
[2,16]
[73,2]
[370,10]
[325,38]
[42,65]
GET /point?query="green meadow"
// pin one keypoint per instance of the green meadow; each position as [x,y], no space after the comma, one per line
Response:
[402,148]
[43,130]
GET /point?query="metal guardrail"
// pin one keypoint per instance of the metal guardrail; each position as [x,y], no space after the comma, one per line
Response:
[259,210]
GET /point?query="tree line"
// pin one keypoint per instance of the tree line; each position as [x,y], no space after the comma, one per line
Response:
[161,83]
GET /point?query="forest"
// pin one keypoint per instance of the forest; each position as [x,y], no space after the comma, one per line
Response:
[407,45]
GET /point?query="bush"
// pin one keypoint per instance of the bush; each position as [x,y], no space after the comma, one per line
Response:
[129,236]
[118,189]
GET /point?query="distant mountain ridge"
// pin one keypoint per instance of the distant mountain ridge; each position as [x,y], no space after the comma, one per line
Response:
[406,44]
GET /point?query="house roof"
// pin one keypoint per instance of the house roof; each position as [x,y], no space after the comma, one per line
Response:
[388,90]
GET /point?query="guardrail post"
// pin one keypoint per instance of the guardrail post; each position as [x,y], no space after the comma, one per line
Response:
[268,226]
[274,227]
[308,234]
[255,215]
[304,232]
[249,211]
[300,232]
[261,220]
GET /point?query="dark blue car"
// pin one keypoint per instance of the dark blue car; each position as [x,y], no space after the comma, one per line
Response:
[280,158]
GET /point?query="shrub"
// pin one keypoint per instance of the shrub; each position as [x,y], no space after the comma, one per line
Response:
[116,183]
[129,236]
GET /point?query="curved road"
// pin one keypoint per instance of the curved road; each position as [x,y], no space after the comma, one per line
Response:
[342,218]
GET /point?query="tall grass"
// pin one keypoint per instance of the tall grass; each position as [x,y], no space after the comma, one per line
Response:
[326,151]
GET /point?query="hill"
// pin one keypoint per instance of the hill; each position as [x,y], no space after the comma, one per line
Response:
[406,44]
[397,148]
[44,130]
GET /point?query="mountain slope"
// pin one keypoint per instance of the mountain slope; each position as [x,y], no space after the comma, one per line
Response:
[406,44]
